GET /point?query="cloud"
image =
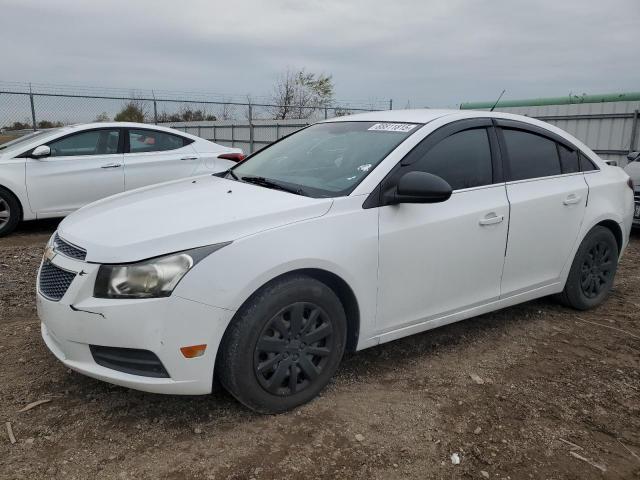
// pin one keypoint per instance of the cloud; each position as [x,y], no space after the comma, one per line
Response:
[431,53]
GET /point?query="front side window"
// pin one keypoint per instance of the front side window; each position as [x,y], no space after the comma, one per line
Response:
[462,159]
[531,155]
[92,142]
[153,141]
[326,159]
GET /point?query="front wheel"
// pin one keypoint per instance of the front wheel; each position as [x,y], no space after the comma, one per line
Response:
[284,345]
[10,212]
[592,271]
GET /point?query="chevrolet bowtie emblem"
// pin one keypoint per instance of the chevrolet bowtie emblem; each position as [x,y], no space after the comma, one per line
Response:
[49,253]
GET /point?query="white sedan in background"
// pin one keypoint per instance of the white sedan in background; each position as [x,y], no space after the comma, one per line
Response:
[633,170]
[51,173]
[349,233]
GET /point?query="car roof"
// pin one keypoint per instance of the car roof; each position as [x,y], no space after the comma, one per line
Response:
[83,126]
[424,115]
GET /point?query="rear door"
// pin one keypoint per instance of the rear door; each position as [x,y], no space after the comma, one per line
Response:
[436,259]
[154,156]
[83,167]
[547,194]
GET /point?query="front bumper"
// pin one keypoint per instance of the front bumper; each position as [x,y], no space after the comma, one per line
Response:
[162,326]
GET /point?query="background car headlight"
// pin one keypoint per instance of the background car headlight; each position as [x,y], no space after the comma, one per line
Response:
[156,277]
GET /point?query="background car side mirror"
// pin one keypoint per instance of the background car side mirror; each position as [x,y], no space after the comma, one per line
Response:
[41,151]
[420,187]
[633,156]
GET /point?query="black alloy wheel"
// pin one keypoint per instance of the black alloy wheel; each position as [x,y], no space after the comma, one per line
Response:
[293,348]
[597,268]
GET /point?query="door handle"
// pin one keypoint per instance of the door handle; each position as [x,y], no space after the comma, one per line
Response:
[111,165]
[491,219]
[189,158]
[572,199]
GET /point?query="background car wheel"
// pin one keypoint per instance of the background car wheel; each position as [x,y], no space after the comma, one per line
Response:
[10,212]
[283,345]
[592,271]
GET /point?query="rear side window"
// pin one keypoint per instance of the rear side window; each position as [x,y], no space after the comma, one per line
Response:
[462,159]
[154,141]
[586,165]
[91,142]
[531,155]
[568,159]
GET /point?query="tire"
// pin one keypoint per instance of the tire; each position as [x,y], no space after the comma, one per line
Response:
[284,345]
[10,212]
[592,271]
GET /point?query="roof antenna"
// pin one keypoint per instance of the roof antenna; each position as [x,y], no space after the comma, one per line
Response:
[495,104]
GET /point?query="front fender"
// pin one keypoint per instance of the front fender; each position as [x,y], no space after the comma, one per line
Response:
[342,243]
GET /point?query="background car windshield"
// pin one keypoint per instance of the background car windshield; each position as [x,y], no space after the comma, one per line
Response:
[18,142]
[327,159]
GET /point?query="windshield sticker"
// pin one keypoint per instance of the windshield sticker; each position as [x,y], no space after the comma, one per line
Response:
[393,127]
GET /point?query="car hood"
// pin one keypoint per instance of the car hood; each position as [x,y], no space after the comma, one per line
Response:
[185,214]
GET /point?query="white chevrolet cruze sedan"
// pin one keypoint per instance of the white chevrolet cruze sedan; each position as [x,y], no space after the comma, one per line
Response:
[349,233]
[51,173]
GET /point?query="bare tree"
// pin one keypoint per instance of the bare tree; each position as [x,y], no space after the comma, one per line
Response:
[297,94]
[225,112]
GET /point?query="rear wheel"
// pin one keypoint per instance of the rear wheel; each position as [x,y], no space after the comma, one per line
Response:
[10,212]
[284,345]
[592,271]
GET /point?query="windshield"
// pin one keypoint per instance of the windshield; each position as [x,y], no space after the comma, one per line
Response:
[326,159]
[18,142]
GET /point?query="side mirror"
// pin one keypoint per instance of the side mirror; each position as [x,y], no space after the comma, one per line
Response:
[633,156]
[420,187]
[41,151]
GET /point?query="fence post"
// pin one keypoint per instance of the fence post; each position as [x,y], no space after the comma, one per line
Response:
[214,133]
[155,108]
[326,113]
[250,128]
[199,131]
[634,131]
[233,138]
[390,104]
[277,131]
[33,110]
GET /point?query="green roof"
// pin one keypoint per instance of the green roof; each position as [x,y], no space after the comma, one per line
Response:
[568,100]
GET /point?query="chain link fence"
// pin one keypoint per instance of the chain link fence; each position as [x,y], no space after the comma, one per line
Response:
[25,107]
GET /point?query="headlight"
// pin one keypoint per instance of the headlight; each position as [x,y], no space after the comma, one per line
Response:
[156,277]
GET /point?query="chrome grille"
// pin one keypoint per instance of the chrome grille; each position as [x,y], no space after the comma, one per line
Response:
[54,282]
[67,249]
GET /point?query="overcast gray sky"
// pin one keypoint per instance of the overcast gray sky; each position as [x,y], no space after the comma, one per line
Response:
[432,53]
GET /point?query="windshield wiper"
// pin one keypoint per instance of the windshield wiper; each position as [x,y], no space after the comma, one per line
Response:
[230,172]
[265,182]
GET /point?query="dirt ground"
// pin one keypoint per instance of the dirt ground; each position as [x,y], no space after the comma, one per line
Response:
[535,391]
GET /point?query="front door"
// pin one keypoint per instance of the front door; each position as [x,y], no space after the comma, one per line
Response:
[441,258]
[82,168]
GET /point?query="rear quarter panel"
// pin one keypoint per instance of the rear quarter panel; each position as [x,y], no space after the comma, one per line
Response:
[610,198]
